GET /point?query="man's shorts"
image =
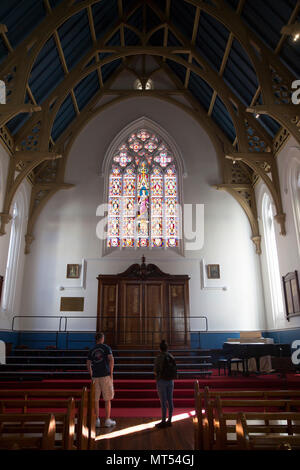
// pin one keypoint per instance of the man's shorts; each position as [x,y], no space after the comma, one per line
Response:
[104,385]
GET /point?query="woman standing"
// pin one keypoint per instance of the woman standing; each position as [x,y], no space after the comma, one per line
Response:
[165,371]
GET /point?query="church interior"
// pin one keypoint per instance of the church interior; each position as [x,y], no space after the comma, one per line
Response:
[150,190]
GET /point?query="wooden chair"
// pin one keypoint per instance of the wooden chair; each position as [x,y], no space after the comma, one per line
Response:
[18,440]
[267,441]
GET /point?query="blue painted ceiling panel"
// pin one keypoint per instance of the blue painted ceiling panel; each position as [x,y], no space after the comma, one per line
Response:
[182,15]
[201,90]
[75,38]
[3,50]
[47,72]
[55,3]
[160,4]
[115,40]
[178,69]
[127,4]
[157,38]
[105,14]
[267,17]
[240,75]
[131,39]
[271,126]
[211,40]
[136,19]
[108,69]
[86,89]
[64,117]
[21,17]
[17,122]
[221,116]
[152,19]
[233,3]
[172,40]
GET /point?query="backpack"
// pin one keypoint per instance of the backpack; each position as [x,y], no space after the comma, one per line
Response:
[169,368]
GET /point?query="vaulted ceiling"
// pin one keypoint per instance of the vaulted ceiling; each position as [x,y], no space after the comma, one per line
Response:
[228,58]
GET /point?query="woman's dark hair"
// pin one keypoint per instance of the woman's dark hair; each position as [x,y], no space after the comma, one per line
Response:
[163,346]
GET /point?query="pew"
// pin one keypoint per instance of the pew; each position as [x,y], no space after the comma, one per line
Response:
[268,441]
[209,419]
[17,441]
[65,423]
[221,428]
[39,399]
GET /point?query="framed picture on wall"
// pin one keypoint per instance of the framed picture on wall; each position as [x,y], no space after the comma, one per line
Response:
[213,271]
[291,294]
[73,271]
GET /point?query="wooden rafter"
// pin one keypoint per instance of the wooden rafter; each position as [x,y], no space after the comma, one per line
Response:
[219,9]
[225,58]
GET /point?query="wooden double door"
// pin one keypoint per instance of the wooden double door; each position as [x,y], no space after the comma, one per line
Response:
[143,310]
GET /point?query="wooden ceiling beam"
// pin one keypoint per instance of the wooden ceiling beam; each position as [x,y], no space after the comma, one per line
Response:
[193,40]
[47,6]
[225,58]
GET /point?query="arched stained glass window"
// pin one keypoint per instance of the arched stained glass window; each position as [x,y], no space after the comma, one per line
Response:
[143,194]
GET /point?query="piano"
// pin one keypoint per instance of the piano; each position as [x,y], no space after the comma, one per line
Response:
[253,345]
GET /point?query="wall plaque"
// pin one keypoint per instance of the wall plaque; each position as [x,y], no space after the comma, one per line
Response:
[72,304]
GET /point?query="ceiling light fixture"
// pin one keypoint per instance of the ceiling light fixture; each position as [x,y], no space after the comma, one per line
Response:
[292,30]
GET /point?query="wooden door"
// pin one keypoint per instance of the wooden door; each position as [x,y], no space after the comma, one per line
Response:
[156,327]
[178,304]
[130,327]
[142,306]
[107,321]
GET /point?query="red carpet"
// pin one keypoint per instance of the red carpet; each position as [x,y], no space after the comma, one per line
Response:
[138,398]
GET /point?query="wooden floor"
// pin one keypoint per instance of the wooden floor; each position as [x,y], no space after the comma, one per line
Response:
[178,437]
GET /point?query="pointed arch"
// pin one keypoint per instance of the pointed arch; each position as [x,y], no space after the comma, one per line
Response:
[142,173]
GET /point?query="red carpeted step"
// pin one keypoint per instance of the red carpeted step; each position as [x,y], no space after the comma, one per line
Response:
[148,403]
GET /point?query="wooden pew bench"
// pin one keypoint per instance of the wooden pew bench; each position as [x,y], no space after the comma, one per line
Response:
[63,410]
[208,420]
[42,440]
[277,439]
[224,422]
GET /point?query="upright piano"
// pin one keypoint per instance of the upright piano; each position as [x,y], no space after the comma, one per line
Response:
[253,345]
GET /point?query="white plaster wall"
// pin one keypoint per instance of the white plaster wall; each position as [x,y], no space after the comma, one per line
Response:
[66,230]
[15,309]
[4,239]
[288,253]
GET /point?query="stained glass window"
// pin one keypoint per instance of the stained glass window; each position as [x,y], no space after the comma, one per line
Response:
[143,194]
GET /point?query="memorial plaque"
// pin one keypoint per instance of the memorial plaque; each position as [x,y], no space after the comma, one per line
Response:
[72,304]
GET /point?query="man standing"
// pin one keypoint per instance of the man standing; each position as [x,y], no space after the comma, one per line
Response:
[100,365]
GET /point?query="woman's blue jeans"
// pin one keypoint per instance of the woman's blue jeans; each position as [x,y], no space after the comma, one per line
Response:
[165,392]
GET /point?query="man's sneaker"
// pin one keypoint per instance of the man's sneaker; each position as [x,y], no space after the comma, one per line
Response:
[98,425]
[168,423]
[109,423]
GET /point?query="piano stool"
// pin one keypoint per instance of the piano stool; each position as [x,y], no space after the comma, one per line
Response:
[224,363]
